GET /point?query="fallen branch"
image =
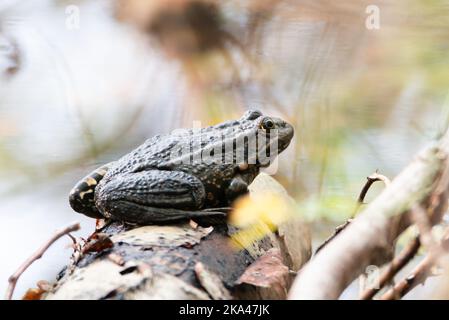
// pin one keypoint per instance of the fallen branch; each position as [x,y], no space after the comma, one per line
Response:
[36,256]
[367,240]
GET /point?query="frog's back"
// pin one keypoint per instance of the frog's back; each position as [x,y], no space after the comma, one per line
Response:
[151,154]
[175,151]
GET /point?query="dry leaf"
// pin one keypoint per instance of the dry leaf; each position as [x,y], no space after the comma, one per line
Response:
[97,243]
[33,294]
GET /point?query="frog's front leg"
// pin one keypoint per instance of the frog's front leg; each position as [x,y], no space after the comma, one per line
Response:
[154,196]
[237,188]
[81,196]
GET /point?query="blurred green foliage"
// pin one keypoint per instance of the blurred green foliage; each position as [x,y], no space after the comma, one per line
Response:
[356,96]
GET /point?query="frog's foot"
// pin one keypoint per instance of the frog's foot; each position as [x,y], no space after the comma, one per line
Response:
[219,209]
[144,215]
[213,216]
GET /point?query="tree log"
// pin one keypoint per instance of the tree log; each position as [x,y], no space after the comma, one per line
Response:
[183,261]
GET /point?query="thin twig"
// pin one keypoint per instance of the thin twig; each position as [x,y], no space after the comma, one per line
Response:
[421,218]
[424,219]
[360,201]
[420,273]
[337,230]
[370,180]
[37,255]
[394,267]
[417,276]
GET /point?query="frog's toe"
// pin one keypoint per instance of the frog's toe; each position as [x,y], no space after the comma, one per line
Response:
[144,215]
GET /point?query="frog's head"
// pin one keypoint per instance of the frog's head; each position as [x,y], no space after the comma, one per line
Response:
[273,135]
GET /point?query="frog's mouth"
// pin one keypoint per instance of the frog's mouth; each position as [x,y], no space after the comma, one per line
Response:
[286,134]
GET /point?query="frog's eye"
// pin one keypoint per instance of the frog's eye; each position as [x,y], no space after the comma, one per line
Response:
[267,124]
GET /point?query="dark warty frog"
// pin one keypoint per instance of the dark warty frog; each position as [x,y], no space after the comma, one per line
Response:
[188,174]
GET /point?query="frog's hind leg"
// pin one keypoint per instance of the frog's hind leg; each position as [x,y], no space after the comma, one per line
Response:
[81,197]
[153,196]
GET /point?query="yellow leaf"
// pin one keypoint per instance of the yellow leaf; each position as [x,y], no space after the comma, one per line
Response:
[258,215]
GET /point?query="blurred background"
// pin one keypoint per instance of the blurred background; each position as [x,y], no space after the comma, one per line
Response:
[365,84]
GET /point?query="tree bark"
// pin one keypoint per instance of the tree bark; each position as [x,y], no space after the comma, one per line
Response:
[183,261]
